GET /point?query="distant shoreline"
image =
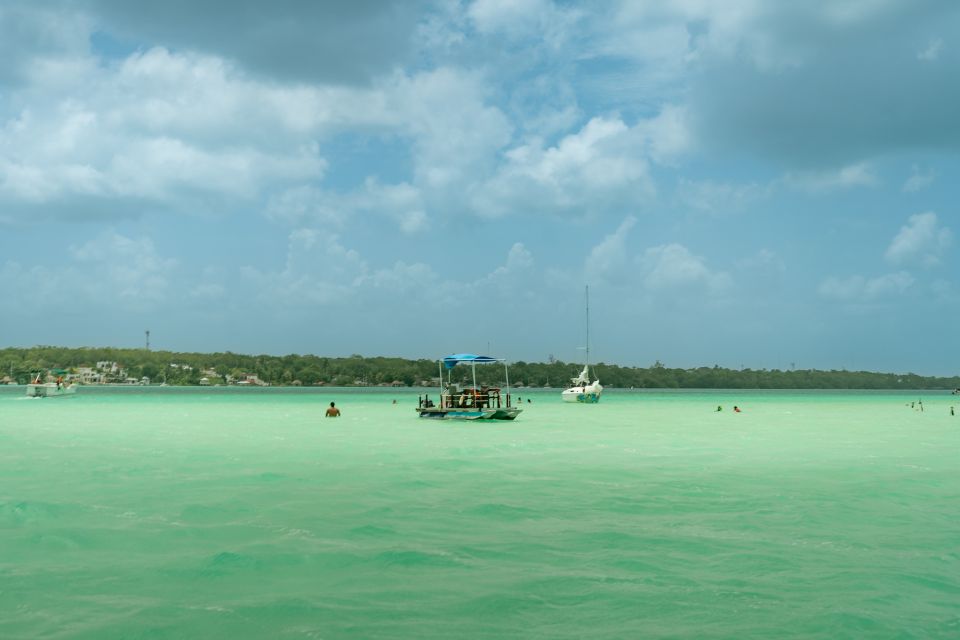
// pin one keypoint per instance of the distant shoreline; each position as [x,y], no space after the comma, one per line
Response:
[132,367]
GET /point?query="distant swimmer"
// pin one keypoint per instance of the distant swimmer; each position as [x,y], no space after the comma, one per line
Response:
[332,411]
[736,409]
[719,408]
[951,410]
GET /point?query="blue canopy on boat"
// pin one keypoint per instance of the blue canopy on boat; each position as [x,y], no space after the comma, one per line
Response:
[451,361]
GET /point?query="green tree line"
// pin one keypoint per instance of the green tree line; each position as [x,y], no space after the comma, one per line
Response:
[174,368]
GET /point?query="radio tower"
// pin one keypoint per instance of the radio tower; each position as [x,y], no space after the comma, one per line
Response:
[148,339]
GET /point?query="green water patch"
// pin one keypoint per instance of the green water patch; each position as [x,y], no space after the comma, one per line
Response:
[500,511]
[251,517]
[34,512]
[416,558]
[373,531]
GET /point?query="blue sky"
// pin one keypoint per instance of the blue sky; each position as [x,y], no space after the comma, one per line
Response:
[741,183]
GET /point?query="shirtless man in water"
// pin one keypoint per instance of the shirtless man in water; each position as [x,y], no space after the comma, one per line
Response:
[332,411]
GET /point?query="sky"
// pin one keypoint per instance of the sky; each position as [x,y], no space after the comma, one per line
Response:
[740,183]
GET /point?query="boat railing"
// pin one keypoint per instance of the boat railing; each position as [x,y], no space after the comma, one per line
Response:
[468,398]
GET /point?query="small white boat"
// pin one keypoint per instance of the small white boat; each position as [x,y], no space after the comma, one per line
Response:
[581,389]
[477,402]
[50,390]
[38,389]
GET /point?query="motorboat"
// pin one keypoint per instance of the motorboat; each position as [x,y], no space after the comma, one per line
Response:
[468,402]
[40,389]
[581,389]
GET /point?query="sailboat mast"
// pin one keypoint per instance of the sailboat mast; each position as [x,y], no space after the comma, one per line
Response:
[588,324]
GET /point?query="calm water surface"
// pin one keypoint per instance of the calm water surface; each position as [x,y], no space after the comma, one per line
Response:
[209,513]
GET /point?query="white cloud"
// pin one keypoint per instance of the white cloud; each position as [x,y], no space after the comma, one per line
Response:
[851,176]
[838,288]
[674,35]
[209,285]
[668,133]
[920,241]
[655,36]
[763,260]
[509,16]
[932,51]
[39,289]
[511,276]
[519,257]
[337,42]
[582,154]
[402,202]
[945,292]
[543,22]
[403,279]
[854,11]
[858,289]
[181,131]
[710,196]
[111,274]
[208,291]
[310,205]
[918,180]
[161,127]
[319,270]
[455,133]
[175,128]
[609,260]
[889,284]
[164,169]
[316,254]
[762,273]
[600,167]
[302,205]
[36,36]
[672,267]
[125,269]
[669,269]
[205,98]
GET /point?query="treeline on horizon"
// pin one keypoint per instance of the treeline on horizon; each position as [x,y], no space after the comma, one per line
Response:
[20,364]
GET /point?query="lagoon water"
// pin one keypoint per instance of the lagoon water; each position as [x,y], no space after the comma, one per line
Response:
[220,513]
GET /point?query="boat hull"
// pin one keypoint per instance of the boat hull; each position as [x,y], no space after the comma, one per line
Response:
[439,413]
[50,390]
[583,396]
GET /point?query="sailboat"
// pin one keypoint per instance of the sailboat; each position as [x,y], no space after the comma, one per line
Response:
[581,389]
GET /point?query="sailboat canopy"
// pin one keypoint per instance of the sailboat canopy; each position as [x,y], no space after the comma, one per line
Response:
[451,361]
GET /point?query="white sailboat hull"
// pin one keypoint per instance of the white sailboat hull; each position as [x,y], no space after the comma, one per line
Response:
[586,394]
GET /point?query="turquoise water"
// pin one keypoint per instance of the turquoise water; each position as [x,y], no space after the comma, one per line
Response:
[208,513]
